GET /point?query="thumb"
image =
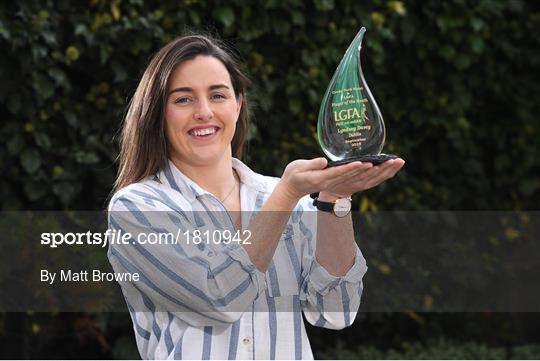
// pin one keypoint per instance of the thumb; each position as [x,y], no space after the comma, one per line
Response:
[316,164]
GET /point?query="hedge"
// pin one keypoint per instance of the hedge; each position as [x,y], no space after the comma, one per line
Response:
[439,349]
[453,79]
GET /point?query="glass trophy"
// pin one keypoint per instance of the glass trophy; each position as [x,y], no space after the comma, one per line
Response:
[350,125]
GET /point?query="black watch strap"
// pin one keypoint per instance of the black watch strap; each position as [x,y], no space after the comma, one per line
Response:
[322,206]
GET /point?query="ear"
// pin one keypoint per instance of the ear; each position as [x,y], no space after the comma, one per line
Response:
[239,101]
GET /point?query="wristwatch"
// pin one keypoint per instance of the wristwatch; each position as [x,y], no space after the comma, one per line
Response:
[341,207]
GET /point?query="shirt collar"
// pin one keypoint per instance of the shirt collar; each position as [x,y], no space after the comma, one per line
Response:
[191,190]
[251,179]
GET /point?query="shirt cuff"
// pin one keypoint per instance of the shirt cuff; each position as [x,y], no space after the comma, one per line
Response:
[323,282]
[239,254]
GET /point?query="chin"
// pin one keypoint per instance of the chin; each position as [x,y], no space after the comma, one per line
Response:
[205,157]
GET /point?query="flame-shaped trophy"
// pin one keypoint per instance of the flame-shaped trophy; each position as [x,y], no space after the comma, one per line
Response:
[350,125]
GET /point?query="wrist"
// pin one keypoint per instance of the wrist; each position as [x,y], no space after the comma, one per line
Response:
[284,195]
[332,203]
[329,197]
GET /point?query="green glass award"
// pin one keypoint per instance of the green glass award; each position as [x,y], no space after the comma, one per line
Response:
[350,125]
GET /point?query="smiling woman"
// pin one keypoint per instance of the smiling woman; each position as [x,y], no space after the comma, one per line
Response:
[201,112]
[180,173]
[145,144]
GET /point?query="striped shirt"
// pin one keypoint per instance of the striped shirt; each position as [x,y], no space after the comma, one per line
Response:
[209,301]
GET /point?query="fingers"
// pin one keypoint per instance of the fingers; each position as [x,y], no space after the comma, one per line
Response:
[344,179]
[311,164]
[353,173]
[391,169]
[329,177]
[368,178]
[381,173]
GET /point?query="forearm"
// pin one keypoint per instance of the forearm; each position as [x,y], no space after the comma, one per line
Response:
[336,247]
[267,227]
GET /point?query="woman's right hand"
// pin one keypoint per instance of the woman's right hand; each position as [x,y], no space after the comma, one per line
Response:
[303,176]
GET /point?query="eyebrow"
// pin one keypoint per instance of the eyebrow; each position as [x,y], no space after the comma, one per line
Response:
[188,89]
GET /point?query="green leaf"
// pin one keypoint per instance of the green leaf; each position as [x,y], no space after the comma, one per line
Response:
[516,5]
[38,52]
[477,24]
[104,53]
[71,118]
[86,157]
[57,171]
[462,61]
[58,75]
[49,37]
[42,140]
[30,160]
[4,32]
[195,18]
[224,14]
[447,52]
[477,44]
[407,30]
[119,72]
[35,190]
[281,26]
[64,190]
[43,86]
[324,5]
[295,105]
[297,18]
[15,145]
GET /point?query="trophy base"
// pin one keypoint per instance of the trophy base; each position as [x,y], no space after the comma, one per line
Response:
[368,158]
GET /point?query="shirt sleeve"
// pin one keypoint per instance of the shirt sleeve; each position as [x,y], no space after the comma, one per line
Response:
[202,284]
[329,301]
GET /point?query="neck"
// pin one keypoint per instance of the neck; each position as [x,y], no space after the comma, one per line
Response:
[217,178]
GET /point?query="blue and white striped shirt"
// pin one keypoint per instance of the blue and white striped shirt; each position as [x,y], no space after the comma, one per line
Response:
[209,301]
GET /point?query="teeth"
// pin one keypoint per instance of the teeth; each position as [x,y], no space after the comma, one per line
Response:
[205,131]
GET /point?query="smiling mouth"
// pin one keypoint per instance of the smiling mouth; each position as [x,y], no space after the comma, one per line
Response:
[206,132]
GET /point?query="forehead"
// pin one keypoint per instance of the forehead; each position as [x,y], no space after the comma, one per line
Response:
[201,71]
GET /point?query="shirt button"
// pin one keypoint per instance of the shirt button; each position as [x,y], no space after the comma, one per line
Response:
[245,340]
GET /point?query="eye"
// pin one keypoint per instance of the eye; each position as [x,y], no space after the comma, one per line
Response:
[218,96]
[182,100]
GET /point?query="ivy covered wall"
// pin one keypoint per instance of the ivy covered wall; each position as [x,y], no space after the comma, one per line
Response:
[454,79]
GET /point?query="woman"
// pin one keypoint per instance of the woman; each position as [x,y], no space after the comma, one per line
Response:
[177,175]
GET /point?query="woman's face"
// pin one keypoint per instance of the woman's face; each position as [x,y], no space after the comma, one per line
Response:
[201,112]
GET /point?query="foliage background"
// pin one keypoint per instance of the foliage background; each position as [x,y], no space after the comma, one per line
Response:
[454,79]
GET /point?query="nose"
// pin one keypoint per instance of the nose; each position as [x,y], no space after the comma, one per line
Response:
[203,111]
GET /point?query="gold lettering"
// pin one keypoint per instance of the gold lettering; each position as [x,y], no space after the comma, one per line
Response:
[346,114]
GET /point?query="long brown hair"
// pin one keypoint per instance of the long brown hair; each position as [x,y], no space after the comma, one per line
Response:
[143,144]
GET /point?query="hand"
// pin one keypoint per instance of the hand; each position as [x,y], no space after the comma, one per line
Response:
[300,177]
[303,177]
[361,176]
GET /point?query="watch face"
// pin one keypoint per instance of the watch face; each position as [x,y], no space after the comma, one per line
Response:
[342,207]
